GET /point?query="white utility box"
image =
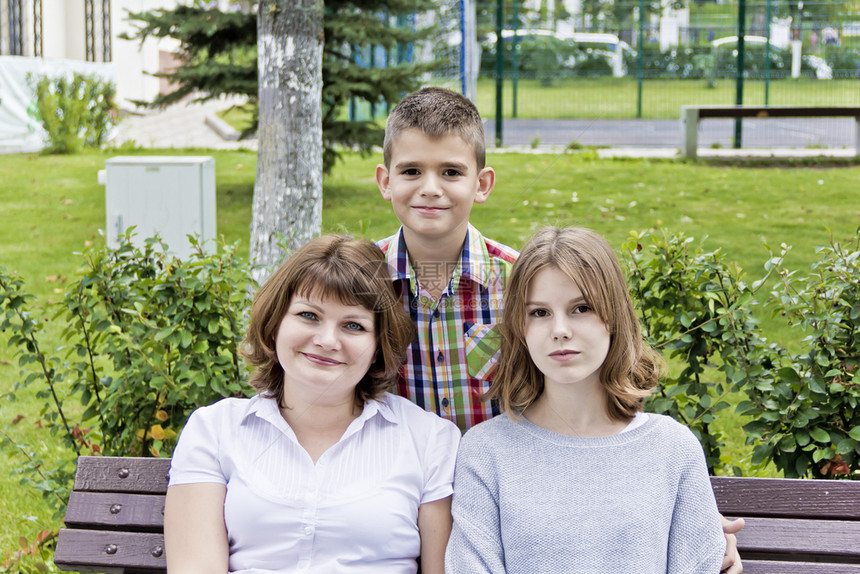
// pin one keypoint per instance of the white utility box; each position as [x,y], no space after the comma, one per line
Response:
[168,195]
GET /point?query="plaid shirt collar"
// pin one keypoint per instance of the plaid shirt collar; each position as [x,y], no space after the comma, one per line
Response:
[474,263]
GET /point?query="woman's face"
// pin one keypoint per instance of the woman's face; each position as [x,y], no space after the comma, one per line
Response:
[324,346]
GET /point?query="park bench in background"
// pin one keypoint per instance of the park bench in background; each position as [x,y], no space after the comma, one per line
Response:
[690,116]
[114,521]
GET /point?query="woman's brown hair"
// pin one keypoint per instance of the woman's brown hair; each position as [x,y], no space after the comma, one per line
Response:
[351,271]
[631,368]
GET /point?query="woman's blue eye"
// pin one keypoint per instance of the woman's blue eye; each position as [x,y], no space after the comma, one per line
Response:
[353,326]
[307,315]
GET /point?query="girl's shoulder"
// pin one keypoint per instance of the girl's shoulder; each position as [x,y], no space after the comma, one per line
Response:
[500,429]
[673,432]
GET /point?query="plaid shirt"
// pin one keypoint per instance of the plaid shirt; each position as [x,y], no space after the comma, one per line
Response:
[451,361]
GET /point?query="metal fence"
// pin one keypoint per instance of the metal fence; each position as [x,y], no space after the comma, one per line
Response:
[597,60]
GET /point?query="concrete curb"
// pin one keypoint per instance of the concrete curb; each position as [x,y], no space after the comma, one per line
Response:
[224,130]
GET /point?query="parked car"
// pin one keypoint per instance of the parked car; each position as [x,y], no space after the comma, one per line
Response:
[546,52]
[779,56]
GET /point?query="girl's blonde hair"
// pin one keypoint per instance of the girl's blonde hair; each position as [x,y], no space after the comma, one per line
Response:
[631,368]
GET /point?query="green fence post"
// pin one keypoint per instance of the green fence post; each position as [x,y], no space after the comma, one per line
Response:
[500,58]
[767,18]
[640,59]
[515,60]
[739,92]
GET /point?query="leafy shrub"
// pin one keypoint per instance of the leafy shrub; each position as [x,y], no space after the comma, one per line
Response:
[149,338]
[542,57]
[695,307]
[688,63]
[844,61]
[75,113]
[809,415]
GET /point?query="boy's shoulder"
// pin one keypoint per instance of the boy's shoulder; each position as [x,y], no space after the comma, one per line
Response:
[499,250]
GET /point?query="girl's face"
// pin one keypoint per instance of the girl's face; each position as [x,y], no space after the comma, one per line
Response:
[325,346]
[566,338]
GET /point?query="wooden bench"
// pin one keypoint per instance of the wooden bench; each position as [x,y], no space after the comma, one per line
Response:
[115,516]
[690,116]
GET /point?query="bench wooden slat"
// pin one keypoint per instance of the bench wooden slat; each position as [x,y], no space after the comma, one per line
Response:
[89,551]
[792,526]
[143,512]
[778,111]
[122,474]
[797,539]
[786,497]
[775,567]
[690,116]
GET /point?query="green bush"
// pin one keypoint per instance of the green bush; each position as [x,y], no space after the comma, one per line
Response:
[809,413]
[149,338]
[75,113]
[696,308]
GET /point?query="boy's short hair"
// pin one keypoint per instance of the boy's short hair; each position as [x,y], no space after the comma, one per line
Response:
[436,112]
[351,271]
[631,368]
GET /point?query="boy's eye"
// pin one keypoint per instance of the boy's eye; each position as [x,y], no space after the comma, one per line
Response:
[450,173]
[410,171]
[353,326]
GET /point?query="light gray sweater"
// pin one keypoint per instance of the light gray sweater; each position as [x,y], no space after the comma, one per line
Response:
[527,500]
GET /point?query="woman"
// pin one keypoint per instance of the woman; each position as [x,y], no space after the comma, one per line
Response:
[321,471]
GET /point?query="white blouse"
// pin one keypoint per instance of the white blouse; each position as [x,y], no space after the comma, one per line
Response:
[355,511]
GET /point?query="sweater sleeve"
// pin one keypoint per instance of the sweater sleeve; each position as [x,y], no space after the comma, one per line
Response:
[475,546]
[696,540]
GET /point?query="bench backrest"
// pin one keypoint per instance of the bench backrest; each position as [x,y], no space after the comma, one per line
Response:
[115,517]
[114,521]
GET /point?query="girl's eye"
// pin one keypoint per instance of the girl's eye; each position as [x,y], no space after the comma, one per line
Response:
[539,313]
[353,326]
[581,309]
[310,316]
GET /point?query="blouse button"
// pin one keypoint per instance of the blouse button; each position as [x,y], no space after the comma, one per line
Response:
[309,530]
[445,402]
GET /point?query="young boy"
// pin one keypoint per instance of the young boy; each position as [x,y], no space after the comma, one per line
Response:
[451,278]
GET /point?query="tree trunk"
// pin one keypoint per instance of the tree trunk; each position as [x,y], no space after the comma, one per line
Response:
[288,192]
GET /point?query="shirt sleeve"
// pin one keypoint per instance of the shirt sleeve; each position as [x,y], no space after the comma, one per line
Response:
[196,456]
[475,545]
[696,540]
[439,459]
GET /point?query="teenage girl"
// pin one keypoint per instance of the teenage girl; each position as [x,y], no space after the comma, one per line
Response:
[574,476]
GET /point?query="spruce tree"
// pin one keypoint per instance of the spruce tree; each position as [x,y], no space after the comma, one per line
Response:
[219,54]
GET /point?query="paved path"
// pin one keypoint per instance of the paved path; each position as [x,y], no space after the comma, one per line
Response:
[184,126]
[177,126]
[757,133]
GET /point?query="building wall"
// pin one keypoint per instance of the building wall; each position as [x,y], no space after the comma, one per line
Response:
[64,37]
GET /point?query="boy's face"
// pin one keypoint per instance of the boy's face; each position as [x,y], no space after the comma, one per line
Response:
[432,184]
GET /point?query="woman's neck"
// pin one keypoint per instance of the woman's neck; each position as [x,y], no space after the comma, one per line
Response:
[574,410]
[319,422]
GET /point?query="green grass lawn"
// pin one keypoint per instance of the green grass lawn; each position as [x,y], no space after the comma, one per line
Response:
[615,98]
[52,206]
